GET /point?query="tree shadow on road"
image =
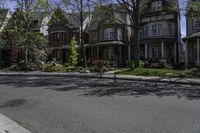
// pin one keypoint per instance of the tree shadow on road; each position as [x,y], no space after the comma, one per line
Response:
[107,87]
[143,89]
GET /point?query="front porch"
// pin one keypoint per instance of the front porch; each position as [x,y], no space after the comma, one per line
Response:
[192,52]
[155,51]
[109,52]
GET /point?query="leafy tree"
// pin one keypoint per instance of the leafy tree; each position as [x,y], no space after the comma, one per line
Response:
[73,52]
[193,8]
[22,27]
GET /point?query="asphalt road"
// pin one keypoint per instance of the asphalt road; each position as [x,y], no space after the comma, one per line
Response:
[79,105]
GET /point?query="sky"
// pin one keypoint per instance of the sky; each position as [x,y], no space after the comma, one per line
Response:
[11,5]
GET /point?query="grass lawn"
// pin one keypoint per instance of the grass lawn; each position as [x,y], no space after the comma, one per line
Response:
[152,72]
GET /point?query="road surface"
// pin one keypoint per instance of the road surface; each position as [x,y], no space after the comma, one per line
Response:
[81,105]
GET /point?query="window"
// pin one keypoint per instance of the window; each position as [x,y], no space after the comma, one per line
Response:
[146,31]
[59,37]
[94,36]
[119,34]
[154,31]
[160,29]
[109,34]
[156,5]
[196,24]
[169,29]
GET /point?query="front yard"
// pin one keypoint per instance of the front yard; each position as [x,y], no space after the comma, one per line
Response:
[152,72]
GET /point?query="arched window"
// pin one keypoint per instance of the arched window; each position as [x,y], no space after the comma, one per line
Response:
[119,34]
[109,34]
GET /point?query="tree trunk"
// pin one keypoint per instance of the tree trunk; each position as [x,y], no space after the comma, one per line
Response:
[136,28]
[83,55]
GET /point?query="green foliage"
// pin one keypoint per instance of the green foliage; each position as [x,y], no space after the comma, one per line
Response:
[53,67]
[194,9]
[153,72]
[130,64]
[19,30]
[25,66]
[142,63]
[70,69]
[73,52]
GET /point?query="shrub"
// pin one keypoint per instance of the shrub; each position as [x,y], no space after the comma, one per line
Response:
[80,69]
[58,68]
[25,66]
[48,68]
[105,69]
[69,69]
[14,67]
[144,63]
[130,64]
[163,63]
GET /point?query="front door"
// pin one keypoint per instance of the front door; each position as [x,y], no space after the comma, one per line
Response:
[156,53]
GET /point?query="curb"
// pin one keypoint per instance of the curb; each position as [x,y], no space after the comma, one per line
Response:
[184,81]
[9,126]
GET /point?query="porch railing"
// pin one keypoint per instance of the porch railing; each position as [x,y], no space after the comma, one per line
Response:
[164,32]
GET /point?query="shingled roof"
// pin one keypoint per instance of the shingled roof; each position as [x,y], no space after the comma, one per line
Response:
[108,16]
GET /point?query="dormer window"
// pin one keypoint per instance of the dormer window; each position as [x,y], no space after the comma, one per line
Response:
[109,34]
[156,5]
[196,23]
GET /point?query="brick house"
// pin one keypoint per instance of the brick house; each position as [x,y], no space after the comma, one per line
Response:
[62,27]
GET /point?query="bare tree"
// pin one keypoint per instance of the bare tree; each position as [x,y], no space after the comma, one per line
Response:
[79,8]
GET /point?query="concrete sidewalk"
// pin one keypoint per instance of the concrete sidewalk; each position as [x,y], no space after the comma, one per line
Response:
[190,81]
[9,126]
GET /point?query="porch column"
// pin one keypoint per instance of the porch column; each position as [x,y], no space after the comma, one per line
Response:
[186,53]
[146,49]
[92,52]
[175,54]
[110,54]
[162,50]
[198,63]
[97,52]
[120,55]
[129,52]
